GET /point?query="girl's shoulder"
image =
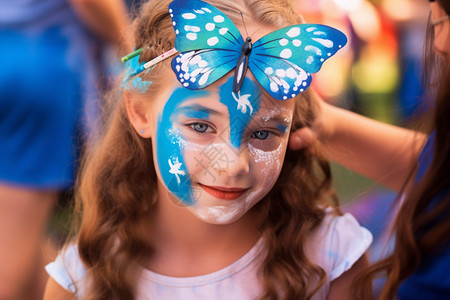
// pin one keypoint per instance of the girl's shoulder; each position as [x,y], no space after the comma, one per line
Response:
[68,270]
[337,243]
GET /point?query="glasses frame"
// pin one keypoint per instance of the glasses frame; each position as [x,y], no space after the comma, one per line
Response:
[440,20]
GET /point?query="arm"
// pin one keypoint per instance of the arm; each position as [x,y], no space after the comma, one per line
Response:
[340,287]
[108,19]
[382,152]
[53,291]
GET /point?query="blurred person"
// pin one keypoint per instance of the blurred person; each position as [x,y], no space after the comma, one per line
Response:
[49,68]
[413,163]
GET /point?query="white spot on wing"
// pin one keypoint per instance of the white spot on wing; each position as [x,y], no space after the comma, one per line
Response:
[218,19]
[210,26]
[293,32]
[324,42]
[192,28]
[213,41]
[313,49]
[191,36]
[189,16]
[283,42]
[222,31]
[286,53]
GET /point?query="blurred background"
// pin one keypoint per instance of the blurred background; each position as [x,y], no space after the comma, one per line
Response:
[378,74]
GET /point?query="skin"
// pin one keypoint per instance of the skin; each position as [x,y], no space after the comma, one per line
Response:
[441,31]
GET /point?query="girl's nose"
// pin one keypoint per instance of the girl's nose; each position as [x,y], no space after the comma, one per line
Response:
[234,161]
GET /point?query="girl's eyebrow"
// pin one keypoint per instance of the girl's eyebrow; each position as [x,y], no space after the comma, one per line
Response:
[197,108]
[279,118]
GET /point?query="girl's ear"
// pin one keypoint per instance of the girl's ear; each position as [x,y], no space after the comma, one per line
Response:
[139,114]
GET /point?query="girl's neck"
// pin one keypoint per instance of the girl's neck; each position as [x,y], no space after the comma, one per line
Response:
[187,246]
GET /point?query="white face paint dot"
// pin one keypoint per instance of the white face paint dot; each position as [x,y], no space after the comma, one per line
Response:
[284,97]
[286,53]
[293,32]
[222,31]
[210,26]
[268,71]
[170,10]
[218,19]
[177,31]
[297,42]
[191,36]
[186,84]
[322,60]
[213,41]
[174,23]
[284,42]
[188,16]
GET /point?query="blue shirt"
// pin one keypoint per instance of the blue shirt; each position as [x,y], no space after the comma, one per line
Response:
[431,281]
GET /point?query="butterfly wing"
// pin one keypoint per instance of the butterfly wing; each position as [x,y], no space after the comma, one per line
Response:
[197,69]
[283,60]
[209,41]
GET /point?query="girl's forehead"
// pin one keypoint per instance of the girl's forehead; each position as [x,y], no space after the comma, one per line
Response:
[214,96]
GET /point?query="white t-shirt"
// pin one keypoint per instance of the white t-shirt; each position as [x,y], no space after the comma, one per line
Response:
[335,245]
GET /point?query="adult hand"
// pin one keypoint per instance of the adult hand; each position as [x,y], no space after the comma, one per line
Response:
[306,136]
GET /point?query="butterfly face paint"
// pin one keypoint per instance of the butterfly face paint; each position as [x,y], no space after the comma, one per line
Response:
[218,152]
[211,46]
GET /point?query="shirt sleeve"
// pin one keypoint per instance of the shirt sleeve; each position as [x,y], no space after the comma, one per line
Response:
[68,270]
[346,242]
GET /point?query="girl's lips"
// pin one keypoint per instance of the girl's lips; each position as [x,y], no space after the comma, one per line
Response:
[223,193]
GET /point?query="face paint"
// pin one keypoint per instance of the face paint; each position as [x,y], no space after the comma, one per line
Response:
[208,154]
[241,107]
[170,146]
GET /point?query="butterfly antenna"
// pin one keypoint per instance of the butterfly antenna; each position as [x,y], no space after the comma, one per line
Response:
[243,22]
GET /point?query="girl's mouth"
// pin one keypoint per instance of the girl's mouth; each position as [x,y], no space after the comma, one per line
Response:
[224,193]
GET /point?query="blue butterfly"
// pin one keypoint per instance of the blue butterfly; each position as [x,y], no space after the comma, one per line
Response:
[211,46]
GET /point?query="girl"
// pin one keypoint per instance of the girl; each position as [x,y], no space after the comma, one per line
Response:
[410,162]
[191,193]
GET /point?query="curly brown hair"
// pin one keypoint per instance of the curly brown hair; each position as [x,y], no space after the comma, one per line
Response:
[118,173]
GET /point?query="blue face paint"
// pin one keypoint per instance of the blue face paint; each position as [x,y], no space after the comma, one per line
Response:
[282,128]
[169,152]
[195,112]
[241,107]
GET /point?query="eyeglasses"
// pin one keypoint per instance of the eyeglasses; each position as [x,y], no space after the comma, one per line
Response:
[440,20]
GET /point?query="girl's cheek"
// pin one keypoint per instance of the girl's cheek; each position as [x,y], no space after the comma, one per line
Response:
[267,162]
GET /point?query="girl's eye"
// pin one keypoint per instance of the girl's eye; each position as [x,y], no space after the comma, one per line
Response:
[260,134]
[200,127]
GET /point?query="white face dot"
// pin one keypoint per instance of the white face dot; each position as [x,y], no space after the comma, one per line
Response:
[296,43]
[268,71]
[286,53]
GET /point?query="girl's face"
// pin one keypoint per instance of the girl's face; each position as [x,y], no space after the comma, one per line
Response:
[219,153]
[441,29]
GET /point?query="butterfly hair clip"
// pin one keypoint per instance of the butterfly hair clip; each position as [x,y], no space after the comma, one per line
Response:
[210,46]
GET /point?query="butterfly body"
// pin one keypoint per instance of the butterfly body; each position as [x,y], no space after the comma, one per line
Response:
[242,65]
[282,61]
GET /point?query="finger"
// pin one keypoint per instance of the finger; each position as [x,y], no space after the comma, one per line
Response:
[301,138]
